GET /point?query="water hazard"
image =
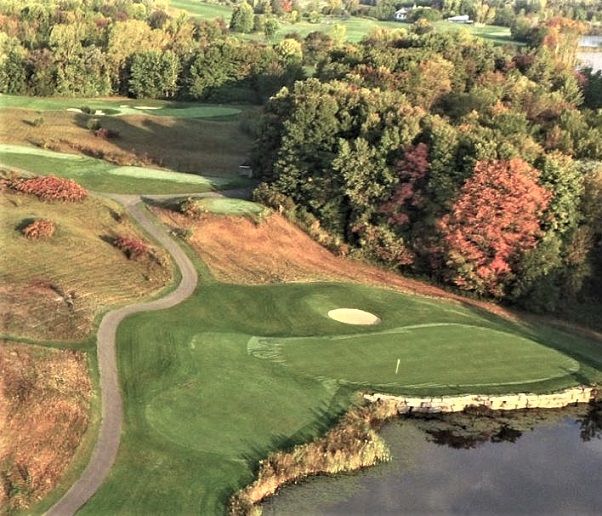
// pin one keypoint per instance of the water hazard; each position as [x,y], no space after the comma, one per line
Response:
[527,462]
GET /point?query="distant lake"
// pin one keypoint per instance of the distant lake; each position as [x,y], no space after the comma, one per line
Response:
[549,465]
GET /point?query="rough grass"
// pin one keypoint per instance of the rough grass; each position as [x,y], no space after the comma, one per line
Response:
[200,407]
[44,414]
[54,288]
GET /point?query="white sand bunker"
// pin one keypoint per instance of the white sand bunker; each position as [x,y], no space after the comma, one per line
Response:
[146,107]
[353,316]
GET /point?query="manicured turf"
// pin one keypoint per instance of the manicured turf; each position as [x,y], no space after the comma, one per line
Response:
[121,106]
[101,176]
[215,383]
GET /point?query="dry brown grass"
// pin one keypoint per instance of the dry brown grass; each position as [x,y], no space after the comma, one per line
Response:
[200,146]
[354,443]
[44,412]
[54,289]
[238,250]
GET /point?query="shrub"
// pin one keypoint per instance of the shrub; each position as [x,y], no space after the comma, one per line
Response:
[93,124]
[105,133]
[40,228]
[51,188]
[37,122]
[132,247]
[192,208]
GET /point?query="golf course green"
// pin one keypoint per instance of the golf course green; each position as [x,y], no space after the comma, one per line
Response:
[214,384]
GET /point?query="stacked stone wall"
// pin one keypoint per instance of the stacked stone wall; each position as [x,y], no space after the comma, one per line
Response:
[433,405]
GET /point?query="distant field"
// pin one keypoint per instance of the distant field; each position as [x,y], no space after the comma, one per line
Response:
[357,27]
[236,371]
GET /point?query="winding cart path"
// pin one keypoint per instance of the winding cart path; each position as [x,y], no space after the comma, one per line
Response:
[111,424]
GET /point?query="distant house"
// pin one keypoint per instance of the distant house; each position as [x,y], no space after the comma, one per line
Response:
[402,14]
[245,169]
[463,18]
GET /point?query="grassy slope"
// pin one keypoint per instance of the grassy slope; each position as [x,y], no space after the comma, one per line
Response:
[75,258]
[201,410]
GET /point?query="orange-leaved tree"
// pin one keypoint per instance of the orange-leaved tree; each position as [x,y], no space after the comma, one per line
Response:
[495,219]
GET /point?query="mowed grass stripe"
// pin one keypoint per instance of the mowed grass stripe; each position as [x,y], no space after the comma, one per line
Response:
[120,107]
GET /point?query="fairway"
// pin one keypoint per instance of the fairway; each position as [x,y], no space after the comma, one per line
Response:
[212,385]
[101,176]
[119,107]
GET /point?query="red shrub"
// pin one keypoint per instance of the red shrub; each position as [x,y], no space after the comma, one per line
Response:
[105,133]
[41,228]
[132,247]
[51,188]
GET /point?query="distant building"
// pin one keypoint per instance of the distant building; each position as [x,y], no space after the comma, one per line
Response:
[463,18]
[402,14]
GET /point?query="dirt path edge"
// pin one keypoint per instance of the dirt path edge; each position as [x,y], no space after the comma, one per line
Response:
[107,445]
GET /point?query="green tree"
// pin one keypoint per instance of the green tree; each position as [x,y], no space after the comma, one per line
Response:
[242,18]
[154,74]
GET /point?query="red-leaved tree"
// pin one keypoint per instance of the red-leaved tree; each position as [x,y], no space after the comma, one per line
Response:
[495,219]
[408,194]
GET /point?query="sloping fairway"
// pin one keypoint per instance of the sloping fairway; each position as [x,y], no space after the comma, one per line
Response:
[215,383]
[78,258]
[100,176]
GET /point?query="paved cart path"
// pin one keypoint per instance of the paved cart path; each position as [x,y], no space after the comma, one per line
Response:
[111,424]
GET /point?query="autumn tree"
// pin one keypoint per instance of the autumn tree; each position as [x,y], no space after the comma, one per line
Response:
[496,218]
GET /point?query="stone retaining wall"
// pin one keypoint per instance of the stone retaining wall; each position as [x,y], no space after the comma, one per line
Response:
[433,405]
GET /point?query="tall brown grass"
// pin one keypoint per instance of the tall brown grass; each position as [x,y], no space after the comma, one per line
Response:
[354,443]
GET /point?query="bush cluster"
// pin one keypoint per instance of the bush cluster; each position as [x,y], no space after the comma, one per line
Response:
[40,228]
[132,247]
[51,188]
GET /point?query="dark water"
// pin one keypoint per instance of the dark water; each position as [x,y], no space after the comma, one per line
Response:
[553,467]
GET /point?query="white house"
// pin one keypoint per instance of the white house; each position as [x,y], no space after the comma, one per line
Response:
[402,14]
[463,18]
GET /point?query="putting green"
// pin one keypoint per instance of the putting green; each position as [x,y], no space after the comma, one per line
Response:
[453,354]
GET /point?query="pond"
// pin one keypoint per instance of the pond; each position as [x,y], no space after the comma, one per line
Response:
[527,462]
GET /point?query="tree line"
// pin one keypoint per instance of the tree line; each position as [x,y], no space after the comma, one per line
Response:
[443,156]
[121,47]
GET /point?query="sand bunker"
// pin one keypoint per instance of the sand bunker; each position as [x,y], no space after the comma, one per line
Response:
[146,107]
[353,316]
[74,110]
